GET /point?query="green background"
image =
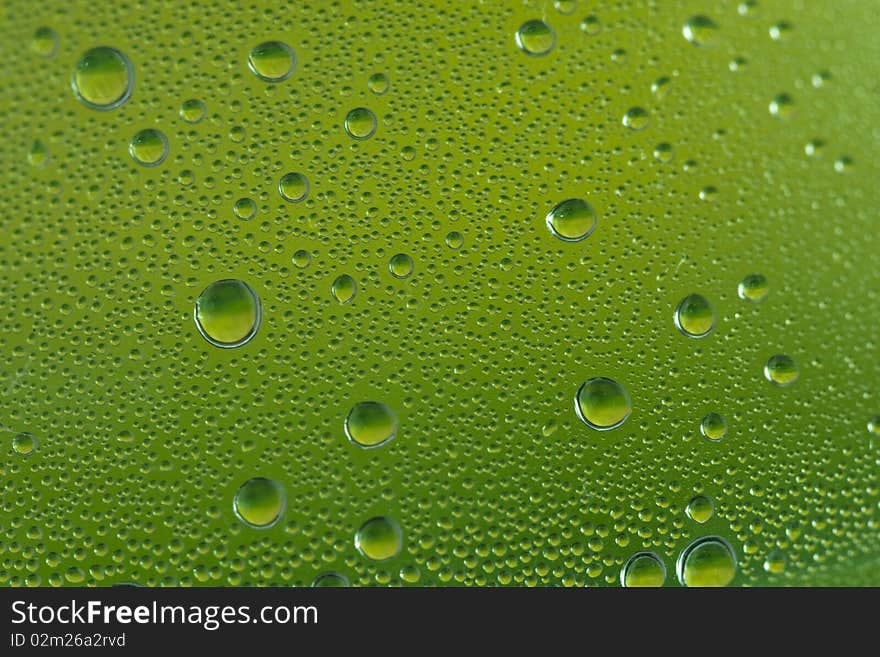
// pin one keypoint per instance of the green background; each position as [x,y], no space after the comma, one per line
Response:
[145,431]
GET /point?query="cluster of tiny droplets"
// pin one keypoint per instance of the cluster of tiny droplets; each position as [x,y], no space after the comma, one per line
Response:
[713,152]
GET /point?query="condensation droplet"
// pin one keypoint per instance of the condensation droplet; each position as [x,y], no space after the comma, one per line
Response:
[344,288]
[572,220]
[694,316]
[700,30]
[602,404]
[753,287]
[192,111]
[293,187]
[536,38]
[44,42]
[360,123]
[272,61]
[371,424]
[227,313]
[400,265]
[24,443]
[708,561]
[260,502]
[149,147]
[103,78]
[781,370]
[643,569]
[636,118]
[700,509]
[713,427]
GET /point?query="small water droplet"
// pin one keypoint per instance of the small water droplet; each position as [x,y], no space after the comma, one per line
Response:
[814,147]
[700,30]
[360,123]
[24,443]
[535,38]
[694,316]
[602,404]
[781,30]
[193,110]
[379,539]
[454,239]
[753,287]
[591,25]
[148,147]
[344,288]
[782,106]
[330,580]
[44,42]
[293,187]
[775,562]
[272,61]
[301,258]
[227,313]
[643,569]
[38,155]
[700,509]
[664,152]
[572,220]
[636,118]
[400,265]
[371,424]
[713,427]
[874,425]
[378,83]
[244,209]
[781,370]
[260,502]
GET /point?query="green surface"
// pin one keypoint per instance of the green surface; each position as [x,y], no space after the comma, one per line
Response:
[756,154]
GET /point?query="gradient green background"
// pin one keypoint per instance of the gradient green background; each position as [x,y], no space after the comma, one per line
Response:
[145,431]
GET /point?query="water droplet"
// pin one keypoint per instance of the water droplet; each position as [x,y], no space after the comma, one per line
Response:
[244,209]
[572,220]
[700,509]
[591,25]
[714,427]
[549,428]
[664,152]
[330,580]
[378,83]
[874,425]
[410,574]
[602,404]
[360,123]
[408,153]
[814,147]
[708,561]
[371,424]
[753,287]
[709,193]
[379,539]
[747,8]
[45,41]
[38,155]
[103,78]
[148,147]
[781,370]
[293,187]
[302,258]
[700,30]
[535,37]
[454,239]
[227,313]
[781,30]
[775,562]
[660,86]
[565,7]
[819,79]
[782,106]
[272,61]
[24,443]
[344,288]
[694,316]
[192,111]
[400,265]
[643,569]
[843,164]
[737,64]
[260,502]
[636,118]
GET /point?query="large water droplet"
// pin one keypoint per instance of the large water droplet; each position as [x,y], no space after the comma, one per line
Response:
[260,502]
[371,424]
[535,37]
[708,561]
[643,569]
[379,539]
[602,404]
[272,61]
[781,370]
[227,313]
[148,147]
[572,220]
[103,78]
[694,316]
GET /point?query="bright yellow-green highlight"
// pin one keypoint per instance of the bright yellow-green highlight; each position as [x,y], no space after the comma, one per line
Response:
[572,220]
[602,404]
[272,61]
[148,147]
[259,502]
[24,443]
[700,509]
[643,570]
[694,316]
[707,562]
[379,539]
[227,313]
[103,78]
[781,370]
[370,424]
